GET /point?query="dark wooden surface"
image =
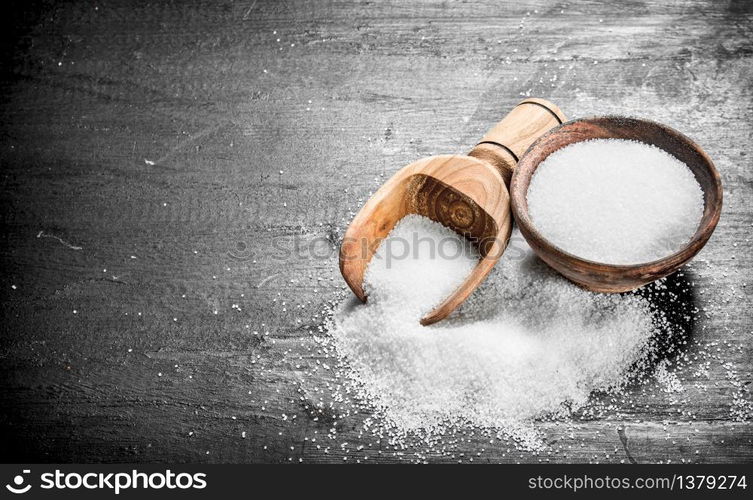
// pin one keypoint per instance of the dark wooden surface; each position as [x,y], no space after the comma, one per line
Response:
[158,159]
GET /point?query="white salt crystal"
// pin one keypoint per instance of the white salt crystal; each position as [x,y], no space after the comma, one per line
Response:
[422,262]
[667,380]
[526,344]
[615,201]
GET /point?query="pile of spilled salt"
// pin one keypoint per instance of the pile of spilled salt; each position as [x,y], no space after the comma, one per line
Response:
[527,344]
[615,201]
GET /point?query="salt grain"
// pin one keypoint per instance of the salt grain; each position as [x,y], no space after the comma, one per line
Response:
[527,344]
[615,201]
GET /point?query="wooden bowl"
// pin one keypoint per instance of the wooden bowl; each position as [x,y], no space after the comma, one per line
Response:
[597,276]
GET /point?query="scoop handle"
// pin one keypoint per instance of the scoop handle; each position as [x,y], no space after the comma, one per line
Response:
[505,143]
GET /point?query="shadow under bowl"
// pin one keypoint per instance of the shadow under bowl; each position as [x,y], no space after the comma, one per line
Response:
[596,276]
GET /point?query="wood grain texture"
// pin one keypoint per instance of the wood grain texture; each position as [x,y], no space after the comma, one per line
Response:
[504,144]
[461,192]
[179,175]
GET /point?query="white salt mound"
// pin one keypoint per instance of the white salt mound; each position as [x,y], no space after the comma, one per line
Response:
[527,344]
[615,201]
[422,262]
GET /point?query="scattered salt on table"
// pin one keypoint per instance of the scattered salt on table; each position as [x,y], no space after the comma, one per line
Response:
[527,344]
[615,201]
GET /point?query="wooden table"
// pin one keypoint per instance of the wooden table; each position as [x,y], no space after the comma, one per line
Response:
[175,177]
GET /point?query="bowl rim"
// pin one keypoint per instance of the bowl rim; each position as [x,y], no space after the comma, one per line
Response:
[670,262]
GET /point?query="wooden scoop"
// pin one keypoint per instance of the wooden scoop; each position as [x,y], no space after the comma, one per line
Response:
[468,194]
